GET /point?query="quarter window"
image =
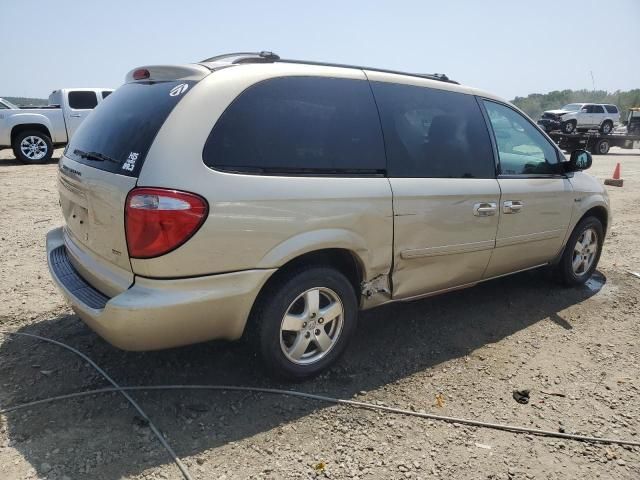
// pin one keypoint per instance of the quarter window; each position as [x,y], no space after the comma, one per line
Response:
[299,125]
[522,149]
[82,100]
[433,133]
[106,93]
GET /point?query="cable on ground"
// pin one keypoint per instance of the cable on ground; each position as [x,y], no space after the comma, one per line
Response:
[289,393]
[116,387]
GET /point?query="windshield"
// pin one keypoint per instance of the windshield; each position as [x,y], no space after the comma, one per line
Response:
[572,107]
[118,133]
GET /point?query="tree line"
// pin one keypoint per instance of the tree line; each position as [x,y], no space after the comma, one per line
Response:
[27,101]
[536,103]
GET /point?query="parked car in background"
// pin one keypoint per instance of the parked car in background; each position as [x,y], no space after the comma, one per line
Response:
[276,198]
[34,132]
[581,116]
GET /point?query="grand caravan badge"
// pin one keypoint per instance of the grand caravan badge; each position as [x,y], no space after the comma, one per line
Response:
[178,89]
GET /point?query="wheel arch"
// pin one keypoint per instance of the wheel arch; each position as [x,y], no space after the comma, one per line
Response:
[600,213]
[322,240]
[344,260]
[23,127]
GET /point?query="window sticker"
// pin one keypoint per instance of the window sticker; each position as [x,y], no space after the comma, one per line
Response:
[130,164]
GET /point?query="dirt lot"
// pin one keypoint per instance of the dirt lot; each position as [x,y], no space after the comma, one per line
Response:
[473,347]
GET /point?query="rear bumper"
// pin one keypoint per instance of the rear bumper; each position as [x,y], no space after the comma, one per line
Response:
[154,314]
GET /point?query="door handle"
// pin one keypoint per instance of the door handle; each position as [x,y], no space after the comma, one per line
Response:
[77,115]
[512,206]
[484,209]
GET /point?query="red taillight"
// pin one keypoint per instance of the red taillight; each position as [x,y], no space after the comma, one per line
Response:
[159,220]
[141,74]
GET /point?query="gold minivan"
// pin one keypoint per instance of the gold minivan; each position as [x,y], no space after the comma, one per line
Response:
[247,195]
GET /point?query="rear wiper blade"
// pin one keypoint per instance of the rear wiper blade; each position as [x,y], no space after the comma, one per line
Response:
[95,156]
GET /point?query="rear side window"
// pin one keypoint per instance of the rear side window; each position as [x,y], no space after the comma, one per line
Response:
[83,100]
[595,109]
[611,108]
[299,125]
[122,130]
[433,133]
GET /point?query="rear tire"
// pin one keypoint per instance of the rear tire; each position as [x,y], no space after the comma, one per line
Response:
[582,252]
[606,127]
[569,127]
[602,147]
[32,147]
[288,325]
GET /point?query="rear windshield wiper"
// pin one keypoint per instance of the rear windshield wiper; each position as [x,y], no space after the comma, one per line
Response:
[95,156]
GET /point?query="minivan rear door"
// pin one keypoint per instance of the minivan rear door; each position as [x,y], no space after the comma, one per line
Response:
[445,194]
[100,167]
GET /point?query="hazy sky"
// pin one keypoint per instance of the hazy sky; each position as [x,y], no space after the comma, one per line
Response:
[507,47]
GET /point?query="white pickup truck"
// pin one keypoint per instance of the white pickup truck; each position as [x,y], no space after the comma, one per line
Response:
[33,133]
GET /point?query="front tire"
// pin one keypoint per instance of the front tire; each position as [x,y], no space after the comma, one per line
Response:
[32,147]
[582,252]
[569,127]
[302,323]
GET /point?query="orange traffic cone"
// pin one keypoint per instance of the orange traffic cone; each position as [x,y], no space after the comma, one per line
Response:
[616,181]
[616,172]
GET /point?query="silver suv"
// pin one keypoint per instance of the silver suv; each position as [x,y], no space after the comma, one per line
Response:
[580,117]
[273,199]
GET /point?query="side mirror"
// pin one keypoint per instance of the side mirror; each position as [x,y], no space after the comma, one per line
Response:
[579,160]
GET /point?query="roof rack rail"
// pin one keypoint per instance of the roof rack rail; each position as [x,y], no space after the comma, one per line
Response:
[270,57]
[431,76]
[436,76]
[243,57]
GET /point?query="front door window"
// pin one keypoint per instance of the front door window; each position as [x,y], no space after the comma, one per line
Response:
[522,149]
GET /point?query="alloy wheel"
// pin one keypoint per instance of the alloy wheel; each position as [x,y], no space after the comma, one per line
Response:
[584,252]
[34,148]
[311,326]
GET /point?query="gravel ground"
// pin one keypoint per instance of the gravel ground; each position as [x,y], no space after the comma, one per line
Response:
[460,354]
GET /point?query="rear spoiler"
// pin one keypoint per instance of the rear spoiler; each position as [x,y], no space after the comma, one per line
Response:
[167,72]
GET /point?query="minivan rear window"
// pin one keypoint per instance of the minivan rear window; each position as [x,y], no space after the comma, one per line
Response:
[117,135]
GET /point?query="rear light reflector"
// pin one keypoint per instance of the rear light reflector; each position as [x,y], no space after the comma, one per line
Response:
[141,74]
[159,220]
